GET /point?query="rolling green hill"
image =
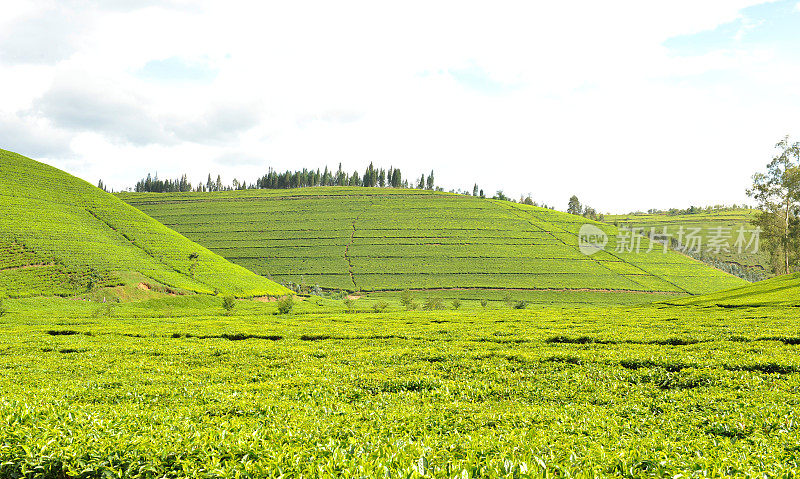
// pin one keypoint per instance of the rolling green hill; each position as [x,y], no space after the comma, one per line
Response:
[62,236]
[778,291]
[379,239]
[707,225]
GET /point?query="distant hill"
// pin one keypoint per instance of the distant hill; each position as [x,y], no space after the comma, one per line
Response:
[383,239]
[778,291]
[745,263]
[63,236]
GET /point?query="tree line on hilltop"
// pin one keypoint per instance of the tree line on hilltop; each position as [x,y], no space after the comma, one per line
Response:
[372,177]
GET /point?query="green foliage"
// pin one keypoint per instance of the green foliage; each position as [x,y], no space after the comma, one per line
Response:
[64,236]
[508,300]
[638,392]
[778,194]
[383,239]
[3,309]
[104,310]
[286,305]
[456,303]
[349,304]
[705,224]
[484,303]
[228,303]
[779,291]
[574,206]
[433,303]
[380,306]
[407,299]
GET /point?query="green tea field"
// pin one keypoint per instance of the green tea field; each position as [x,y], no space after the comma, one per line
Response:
[779,291]
[173,388]
[710,236]
[387,240]
[383,240]
[62,236]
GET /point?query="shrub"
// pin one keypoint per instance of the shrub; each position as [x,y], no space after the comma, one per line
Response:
[3,309]
[507,299]
[520,305]
[285,305]
[433,303]
[456,303]
[349,304]
[105,310]
[484,303]
[380,306]
[407,299]
[228,303]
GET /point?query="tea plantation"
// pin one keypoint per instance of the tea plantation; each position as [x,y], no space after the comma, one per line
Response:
[457,376]
[62,236]
[779,291]
[379,239]
[171,388]
[698,232]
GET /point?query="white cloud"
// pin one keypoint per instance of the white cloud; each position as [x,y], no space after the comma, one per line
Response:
[549,99]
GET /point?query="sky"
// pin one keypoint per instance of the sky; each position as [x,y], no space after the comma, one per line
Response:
[629,105]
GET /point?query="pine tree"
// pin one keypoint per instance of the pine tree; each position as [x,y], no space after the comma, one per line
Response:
[430,181]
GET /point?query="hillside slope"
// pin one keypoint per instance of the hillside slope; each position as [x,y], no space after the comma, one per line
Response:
[63,236]
[379,239]
[778,291]
[742,260]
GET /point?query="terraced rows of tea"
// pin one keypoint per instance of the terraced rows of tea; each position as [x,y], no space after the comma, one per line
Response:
[724,225]
[371,239]
[63,236]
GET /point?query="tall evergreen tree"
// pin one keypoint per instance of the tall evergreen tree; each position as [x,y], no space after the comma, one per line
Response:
[574,206]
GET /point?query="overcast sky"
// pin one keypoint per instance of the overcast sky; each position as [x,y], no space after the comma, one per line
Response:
[628,104]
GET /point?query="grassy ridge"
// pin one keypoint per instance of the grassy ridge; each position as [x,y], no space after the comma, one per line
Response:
[63,236]
[370,239]
[778,291]
[636,392]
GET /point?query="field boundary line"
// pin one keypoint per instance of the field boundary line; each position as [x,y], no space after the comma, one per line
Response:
[27,266]
[519,215]
[347,249]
